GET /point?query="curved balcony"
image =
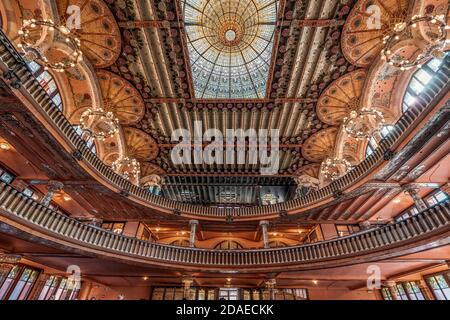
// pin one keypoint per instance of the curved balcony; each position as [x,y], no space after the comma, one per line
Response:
[428,228]
[22,79]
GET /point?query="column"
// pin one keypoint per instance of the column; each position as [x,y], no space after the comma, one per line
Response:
[425,290]
[38,286]
[193,224]
[418,201]
[187,283]
[270,286]
[53,186]
[264,229]
[392,289]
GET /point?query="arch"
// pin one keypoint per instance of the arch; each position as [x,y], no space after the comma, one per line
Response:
[180,243]
[228,245]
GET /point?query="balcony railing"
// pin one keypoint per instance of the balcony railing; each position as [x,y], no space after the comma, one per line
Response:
[22,78]
[26,211]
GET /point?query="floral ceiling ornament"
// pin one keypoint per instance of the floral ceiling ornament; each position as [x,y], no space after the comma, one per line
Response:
[32,42]
[334,168]
[128,167]
[99,124]
[437,35]
[364,123]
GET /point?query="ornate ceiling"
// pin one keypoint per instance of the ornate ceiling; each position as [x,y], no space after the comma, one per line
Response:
[296,66]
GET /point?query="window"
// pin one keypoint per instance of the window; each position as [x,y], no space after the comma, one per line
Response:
[49,288]
[436,197]
[228,294]
[413,290]
[8,282]
[401,292]
[386,293]
[346,229]
[6,176]
[24,285]
[373,143]
[90,142]
[47,82]
[421,79]
[433,199]
[116,227]
[18,283]
[439,284]
[156,190]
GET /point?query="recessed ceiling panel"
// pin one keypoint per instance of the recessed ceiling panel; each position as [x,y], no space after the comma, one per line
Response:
[230,46]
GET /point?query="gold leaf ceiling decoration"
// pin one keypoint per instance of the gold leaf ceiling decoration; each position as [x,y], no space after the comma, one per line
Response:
[140,145]
[99,32]
[341,97]
[362,40]
[121,98]
[320,145]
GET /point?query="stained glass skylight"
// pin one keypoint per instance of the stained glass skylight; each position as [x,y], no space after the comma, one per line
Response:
[230,46]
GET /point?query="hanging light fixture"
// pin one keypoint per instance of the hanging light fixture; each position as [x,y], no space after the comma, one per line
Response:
[334,168]
[99,124]
[128,167]
[404,30]
[363,123]
[32,30]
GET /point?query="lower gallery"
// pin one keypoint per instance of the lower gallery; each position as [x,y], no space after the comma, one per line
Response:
[224,150]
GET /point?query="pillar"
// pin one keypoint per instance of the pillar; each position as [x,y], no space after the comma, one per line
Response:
[264,229]
[270,286]
[193,224]
[418,201]
[38,286]
[187,283]
[425,290]
[53,186]
[392,289]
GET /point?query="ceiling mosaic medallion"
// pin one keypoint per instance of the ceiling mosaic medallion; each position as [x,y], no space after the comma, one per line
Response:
[140,145]
[230,46]
[362,36]
[121,98]
[341,97]
[320,145]
[99,32]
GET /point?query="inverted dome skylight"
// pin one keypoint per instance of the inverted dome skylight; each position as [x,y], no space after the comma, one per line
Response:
[230,46]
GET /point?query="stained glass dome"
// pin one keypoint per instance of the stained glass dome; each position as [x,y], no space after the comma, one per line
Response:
[230,46]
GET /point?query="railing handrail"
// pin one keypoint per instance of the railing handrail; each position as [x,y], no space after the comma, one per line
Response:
[26,211]
[15,63]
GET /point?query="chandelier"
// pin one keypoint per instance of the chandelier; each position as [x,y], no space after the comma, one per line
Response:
[362,124]
[333,168]
[128,167]
[31,34]
[99,124]
[403,30]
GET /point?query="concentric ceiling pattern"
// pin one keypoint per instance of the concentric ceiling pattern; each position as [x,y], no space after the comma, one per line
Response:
[230,46]
[341,97]
[362,39]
